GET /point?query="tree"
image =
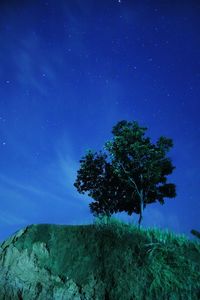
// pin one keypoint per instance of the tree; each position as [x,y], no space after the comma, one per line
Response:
[196,233]
[134,175]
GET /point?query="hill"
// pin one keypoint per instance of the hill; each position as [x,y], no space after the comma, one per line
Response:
[98,261]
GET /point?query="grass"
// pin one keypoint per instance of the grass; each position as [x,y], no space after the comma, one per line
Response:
[170,263]
[140,264]
[154,234]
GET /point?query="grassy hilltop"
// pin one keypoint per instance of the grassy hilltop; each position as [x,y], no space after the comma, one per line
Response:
[105,261]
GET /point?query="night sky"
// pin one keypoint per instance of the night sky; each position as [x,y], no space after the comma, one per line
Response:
[69,71]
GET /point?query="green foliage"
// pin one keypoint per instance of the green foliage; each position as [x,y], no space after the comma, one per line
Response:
[131,175]
[195,233]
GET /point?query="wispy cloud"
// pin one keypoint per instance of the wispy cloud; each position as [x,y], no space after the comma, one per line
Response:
[28,189]
[67,166]
[52,187]
[7,218]
[33,70]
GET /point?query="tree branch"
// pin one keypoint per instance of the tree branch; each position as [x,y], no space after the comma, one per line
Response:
[131,180]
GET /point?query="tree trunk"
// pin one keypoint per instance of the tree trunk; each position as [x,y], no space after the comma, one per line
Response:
[141,208]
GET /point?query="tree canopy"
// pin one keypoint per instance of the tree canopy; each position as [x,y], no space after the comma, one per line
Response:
[131,174]
[196,233]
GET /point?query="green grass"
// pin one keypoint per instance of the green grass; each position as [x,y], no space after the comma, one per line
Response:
[130,263]
[170,263]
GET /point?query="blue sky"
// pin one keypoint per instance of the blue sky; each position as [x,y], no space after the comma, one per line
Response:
[70,70]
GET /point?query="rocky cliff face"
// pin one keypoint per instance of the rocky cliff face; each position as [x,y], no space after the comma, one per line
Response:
[90,263]
[29,269]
